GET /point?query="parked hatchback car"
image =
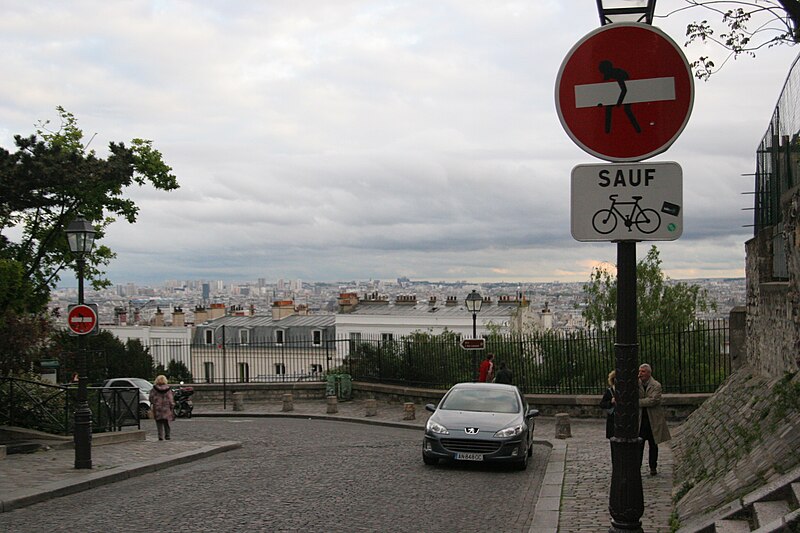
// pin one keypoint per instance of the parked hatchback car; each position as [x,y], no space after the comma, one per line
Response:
[480,422]
[144,387]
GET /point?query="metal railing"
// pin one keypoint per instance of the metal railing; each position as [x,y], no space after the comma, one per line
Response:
[692,359]
[689,359]
[50,408]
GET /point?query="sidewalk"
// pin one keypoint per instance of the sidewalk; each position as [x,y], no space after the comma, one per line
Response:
[573,498]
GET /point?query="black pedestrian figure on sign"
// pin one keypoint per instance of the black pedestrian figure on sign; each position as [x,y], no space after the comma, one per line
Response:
[620,76]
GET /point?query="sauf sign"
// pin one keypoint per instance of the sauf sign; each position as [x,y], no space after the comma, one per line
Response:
[627,202]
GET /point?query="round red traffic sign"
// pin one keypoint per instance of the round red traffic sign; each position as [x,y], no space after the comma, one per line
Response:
[81,319]
[624,92]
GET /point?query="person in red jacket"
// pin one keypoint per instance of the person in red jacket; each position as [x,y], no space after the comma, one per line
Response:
[486,370]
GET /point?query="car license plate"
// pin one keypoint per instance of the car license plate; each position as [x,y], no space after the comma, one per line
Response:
[469,456]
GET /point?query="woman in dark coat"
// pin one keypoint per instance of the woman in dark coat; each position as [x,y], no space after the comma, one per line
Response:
[609,401]
[162,403]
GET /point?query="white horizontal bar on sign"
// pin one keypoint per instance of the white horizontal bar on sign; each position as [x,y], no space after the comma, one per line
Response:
[607,93]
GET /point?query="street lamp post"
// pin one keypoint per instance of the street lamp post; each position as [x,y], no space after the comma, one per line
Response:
[626,499]
[80,235]
[473,303]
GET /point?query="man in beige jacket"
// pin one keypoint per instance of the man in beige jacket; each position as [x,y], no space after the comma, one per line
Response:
[652,422]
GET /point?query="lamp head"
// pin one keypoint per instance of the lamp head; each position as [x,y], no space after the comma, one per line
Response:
[474,301]
[611,11]
[80,236]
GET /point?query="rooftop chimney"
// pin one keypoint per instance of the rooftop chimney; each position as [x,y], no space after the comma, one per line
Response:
[121,316]
[216,311]
[158,318]
[347,301]
[178,318]
[406,300]
[282,309]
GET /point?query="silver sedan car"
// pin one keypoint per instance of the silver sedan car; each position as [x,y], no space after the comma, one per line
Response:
[480,422]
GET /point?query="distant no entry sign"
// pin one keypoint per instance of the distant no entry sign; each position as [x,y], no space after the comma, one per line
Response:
[624,92]
[81,319]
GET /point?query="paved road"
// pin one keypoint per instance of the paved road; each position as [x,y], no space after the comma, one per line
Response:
[300,475]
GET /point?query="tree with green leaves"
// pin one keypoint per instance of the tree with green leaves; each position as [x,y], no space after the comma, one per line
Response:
[107,356]
[749,26]
[659,301]
[49,179]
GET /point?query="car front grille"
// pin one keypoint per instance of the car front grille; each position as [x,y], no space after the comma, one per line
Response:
[470,445]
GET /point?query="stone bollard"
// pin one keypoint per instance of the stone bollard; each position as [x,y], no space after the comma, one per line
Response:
[563,430]
[372,407]
[408,411]
[288,403]
[333,405]
[238,401]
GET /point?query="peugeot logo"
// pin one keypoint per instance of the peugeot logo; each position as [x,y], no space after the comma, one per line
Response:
[471,431]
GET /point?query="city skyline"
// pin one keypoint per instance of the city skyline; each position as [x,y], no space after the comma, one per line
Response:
[367,140]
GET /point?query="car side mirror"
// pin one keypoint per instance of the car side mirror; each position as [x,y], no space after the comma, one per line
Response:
[532,412]
[430,407]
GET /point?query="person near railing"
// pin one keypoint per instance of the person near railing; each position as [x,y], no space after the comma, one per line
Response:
[162,403]
[653,428]
[486,370]
[504,375]
[609,403]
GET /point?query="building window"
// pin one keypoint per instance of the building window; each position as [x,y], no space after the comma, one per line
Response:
[209,336]
[387,337]
[316,337]
[355,336]
[244,336]
[208,368]
[279,337]
[280,369]
[244,372]
[316,368]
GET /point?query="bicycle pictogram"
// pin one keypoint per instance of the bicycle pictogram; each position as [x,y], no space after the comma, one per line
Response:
[646,221]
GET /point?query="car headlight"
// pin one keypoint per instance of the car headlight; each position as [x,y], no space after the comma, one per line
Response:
[435,427]
[512,431]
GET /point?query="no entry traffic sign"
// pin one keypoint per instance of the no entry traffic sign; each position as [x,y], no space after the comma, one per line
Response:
[624,92]
[82,319]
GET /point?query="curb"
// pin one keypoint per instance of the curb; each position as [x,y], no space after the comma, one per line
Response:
[96,479]
[547,512]
[312,416]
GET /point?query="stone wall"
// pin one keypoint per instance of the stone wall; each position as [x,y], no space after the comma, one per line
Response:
[748,433]
[745,435]
[677,406]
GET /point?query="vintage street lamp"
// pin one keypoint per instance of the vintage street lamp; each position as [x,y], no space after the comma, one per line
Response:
[80,235]
[473,302]
[626,11]
[626,499]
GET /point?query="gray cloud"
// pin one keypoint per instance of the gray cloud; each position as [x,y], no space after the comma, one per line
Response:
[361,139]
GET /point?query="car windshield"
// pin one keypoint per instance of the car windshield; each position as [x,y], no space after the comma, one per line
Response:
[485,401]
[142,384]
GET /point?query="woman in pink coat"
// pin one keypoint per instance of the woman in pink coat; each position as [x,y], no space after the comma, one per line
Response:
[162,403]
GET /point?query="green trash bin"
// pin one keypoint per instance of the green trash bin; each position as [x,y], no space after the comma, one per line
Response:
[330,386]
[345,382]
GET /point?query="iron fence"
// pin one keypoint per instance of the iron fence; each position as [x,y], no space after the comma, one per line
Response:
[51,408]
[688,359]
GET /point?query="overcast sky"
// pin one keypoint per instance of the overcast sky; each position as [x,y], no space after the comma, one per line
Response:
[347,139]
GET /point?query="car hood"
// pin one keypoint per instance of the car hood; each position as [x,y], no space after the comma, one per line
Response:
[456,420]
